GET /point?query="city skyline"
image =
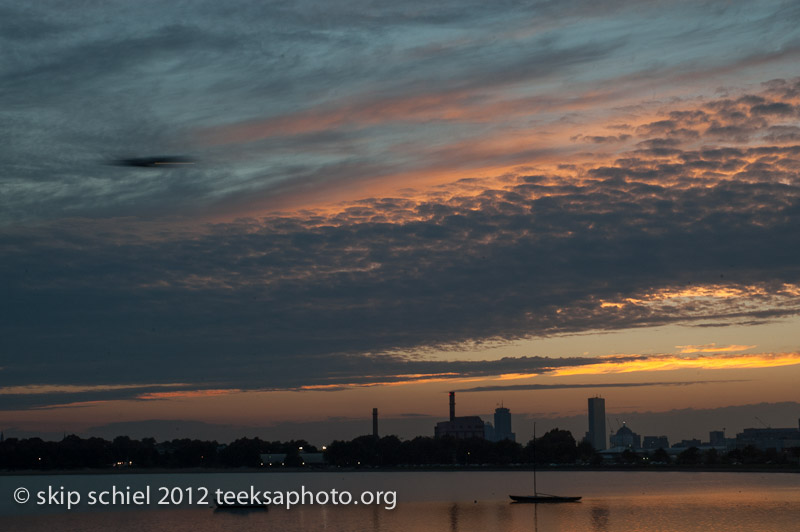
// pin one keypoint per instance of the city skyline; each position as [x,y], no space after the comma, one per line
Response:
[265,217]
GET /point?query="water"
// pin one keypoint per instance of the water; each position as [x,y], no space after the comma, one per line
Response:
[430,501]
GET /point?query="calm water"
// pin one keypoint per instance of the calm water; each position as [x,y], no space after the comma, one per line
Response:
[452,501]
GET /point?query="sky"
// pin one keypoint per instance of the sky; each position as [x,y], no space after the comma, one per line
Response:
[371,204]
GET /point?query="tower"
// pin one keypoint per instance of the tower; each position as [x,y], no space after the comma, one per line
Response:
[597,423]
[502,425]
[452,406]
[375,423]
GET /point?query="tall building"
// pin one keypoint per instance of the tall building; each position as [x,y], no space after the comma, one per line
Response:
[463,427]
[597,423]
[502,425]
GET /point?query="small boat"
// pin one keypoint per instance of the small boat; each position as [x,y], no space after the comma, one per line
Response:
[540,497]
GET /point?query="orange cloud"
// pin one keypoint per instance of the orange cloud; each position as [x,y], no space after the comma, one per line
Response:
[623,364]
[712,348]
[187,393]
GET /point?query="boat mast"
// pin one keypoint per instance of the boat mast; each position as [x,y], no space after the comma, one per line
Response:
[535,493]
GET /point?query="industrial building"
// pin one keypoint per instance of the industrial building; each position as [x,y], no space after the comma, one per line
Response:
[463,427]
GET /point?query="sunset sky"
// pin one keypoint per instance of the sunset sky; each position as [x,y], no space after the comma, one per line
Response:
[526,202]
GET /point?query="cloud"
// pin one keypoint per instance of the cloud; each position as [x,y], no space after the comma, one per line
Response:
[358,372]
[712,348]
[290,99]
[567,386]
[642,243]
[503,229]
[606,365]
[298,298]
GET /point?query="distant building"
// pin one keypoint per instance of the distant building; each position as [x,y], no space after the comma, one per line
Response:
[272,459]
[769,438]
[597,423]
[312,458]
[463,427]
[502,425]
[694,442]
[716,438]
[625,437]
[655,442]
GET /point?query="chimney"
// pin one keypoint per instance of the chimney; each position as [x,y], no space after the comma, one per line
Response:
[375,423]
[452,406]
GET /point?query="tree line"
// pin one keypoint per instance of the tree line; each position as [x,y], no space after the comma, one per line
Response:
[74,452]
[555,447]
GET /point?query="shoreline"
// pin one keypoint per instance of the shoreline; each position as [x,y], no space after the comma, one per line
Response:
[422,469]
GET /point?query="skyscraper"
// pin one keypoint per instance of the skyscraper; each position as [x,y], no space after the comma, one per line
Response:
[597,423]
[502,425]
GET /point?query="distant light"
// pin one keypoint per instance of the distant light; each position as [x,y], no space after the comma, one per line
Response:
[324,448]
[300,448]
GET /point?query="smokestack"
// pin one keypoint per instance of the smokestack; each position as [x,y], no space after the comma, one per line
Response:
[375,423]
[452,406]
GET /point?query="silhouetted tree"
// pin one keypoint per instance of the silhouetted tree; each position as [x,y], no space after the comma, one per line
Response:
[690,456]
[660,455]
[585,451]
[711,457]
[556,446]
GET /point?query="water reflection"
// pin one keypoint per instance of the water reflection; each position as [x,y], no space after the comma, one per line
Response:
[454,518]
[376,518]
[599,513]
[658,502]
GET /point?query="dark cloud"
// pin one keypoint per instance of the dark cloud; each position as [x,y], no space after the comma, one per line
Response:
[774,108]
[153,161]
[334,374]
[602,139]
[286,302]
[356,296]
[783,134]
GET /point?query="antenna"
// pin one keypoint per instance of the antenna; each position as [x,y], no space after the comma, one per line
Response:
[759,420]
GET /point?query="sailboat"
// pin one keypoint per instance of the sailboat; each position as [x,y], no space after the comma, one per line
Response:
[541,497]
